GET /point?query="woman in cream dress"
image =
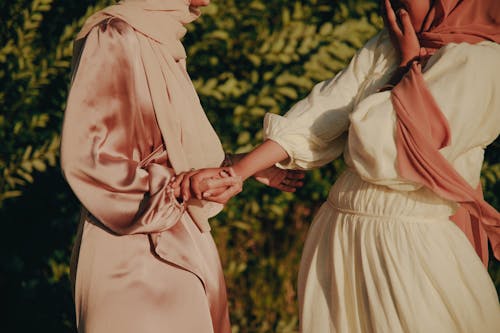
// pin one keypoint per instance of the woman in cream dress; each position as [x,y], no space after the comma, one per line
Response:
[382,255]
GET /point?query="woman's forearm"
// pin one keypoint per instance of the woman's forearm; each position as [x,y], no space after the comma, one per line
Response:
[262,157]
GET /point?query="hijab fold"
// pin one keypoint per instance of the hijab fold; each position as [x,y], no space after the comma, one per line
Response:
[419,159]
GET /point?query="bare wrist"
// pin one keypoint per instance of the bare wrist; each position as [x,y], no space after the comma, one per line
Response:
[237,157]
[408,62]
[239,170]
[232,159]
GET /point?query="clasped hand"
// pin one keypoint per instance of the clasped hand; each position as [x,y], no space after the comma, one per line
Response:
[221,184]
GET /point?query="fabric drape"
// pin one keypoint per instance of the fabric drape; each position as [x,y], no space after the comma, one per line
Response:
[382,254]
[132,121]
[422,129]
[160,25]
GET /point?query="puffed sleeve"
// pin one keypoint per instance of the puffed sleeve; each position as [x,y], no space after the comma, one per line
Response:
[313,132]
[105,153]
[464,81]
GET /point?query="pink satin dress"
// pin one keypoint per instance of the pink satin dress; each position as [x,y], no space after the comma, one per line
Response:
[140,262]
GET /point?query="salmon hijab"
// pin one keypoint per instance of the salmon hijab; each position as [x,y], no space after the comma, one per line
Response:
[188,136]
[457,21]
[418,115]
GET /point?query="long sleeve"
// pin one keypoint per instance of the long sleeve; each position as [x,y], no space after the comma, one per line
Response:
[112,154]
[313,132]
[463,80]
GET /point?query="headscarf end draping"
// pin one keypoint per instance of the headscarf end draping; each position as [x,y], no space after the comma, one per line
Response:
[419,159]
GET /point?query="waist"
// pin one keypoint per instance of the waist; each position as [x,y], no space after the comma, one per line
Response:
[351,194]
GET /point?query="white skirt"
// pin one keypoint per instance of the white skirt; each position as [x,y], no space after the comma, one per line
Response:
[383,261]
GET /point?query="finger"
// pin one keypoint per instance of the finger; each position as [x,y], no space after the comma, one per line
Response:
[217,186]
[383,12]
[292,183]
[177,192]
[279,177]
[231,172]
[197,186]
[391,18]
[214,192]
[296,184]
[226,195]
[286,188]
[222,182]
[295,175]
[224,174]
[405,22]
[186,186]
[185,190]
[178,180]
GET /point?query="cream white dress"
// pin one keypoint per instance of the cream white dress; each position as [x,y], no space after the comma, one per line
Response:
[382,255]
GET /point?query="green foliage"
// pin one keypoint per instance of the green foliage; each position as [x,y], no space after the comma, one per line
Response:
[249,58]
[33,86]
[246,58]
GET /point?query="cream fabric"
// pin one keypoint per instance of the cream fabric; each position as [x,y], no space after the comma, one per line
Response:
[378,260]
[315,130]
[382,254]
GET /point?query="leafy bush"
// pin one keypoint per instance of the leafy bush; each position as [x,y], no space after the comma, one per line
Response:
[246,58]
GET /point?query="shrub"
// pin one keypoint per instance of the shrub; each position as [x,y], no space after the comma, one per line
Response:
[246,58]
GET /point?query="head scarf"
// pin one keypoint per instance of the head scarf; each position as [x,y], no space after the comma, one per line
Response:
[188,136]
[457,21]
[160,20]
[419,160]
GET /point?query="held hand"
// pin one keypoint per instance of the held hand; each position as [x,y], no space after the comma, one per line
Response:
[196,182]
[284,180]
[402,33]
[181,184]
[222,189]
[216,180]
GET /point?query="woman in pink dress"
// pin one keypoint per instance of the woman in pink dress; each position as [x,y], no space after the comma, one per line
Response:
[144,259]
[412,114]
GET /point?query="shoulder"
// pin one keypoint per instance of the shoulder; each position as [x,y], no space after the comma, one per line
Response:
[114,33]
[120,30]
[484,55]
[371,52]
[380,40]
[381,50]
[112,41]
[471,50]
[469,64]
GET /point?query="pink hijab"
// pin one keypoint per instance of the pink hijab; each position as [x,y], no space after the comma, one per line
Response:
[419,160]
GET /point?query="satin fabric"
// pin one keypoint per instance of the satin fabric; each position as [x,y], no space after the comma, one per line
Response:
[160,25]
[139,248]
[422,129]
